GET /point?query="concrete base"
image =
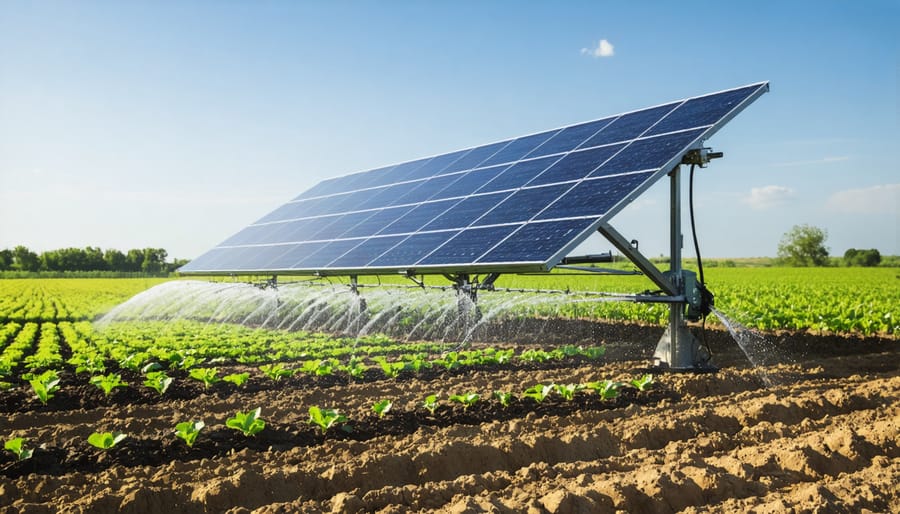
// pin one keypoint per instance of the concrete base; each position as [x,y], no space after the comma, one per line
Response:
[679,352]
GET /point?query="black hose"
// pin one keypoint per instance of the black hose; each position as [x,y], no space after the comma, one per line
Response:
[699,259]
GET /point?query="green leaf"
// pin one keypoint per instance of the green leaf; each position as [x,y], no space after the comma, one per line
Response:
[17,446]
[105,440]
[248,423]
[382,407]
[189,430]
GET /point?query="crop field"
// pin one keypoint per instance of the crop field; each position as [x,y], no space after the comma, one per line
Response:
[174,403]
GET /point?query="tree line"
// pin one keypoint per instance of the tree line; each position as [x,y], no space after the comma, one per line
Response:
[136,260]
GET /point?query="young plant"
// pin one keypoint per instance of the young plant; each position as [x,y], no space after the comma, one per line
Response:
[504,397]
[643,383]
[430,403]
[247,422]
[108,382]
[237,379]
[208,376]
[158,381]
[356,368]
[607,389]
[105,440]
[189,430]
[467,400]
[17,446]
[538,392]
[325,418]
[593,352]
[567,391]
[276,371]
[382,407]
[45,385]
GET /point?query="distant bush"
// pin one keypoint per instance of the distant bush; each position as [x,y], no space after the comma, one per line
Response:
[854,257]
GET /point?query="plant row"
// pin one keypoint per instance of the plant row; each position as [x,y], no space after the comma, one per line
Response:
[250,423]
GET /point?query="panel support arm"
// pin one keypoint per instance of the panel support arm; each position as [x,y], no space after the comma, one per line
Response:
[643,264]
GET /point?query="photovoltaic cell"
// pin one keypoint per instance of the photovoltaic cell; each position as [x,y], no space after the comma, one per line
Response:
[515,204]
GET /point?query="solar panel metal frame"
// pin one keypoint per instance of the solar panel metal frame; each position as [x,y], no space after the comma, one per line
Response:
[517,266]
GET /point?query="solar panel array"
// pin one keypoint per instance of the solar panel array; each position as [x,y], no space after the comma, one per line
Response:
[519,204]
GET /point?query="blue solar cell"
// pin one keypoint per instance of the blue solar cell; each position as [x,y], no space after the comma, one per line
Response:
[474,158]
[703,111]
[418,217]
[436,165]
[376,222]
[594,197]
[426,189]
[518,174]
[385,196]
[629,126]
[519,148]
[412,249]
[570,138]
[466,211]
[365,252]
[468,182]
[536,242]
[398,173]
[467,246]
[296,231]
[649,153]
[293,254]
[327,253]
[523,205]
[576,165]
[340,224]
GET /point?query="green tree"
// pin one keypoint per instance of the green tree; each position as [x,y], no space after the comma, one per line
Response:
[804,245]
[134,259]
[6,259]
[25,260]
[115,260]
[854,257]
[154,260]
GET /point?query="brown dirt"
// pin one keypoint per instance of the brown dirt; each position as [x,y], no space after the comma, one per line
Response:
[822,438]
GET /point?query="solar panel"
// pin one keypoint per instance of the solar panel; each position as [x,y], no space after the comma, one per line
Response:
[515,205]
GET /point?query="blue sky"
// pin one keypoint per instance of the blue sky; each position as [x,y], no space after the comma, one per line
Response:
[175,124]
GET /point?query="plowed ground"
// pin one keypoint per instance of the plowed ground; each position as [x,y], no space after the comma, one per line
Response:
[822,438]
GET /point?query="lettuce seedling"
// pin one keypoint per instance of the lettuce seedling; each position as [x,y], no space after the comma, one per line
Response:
[430,403]
[189,430]
[44,385]
[208,376]
[356,368]
[158,381]
[607,389]
[593,352]
[504,397]
[643,383]
[325,418]
[105,440]
[108,382]
[237,379]
[249,423]
[538,392]
[467,400]
[276,371]
[568,391]
[382,407]
[17,446]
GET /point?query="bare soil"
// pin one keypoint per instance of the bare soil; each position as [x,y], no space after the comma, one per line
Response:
[823,437]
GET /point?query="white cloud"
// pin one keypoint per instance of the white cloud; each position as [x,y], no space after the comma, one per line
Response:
[881,199]
[767,197]
[603,49]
